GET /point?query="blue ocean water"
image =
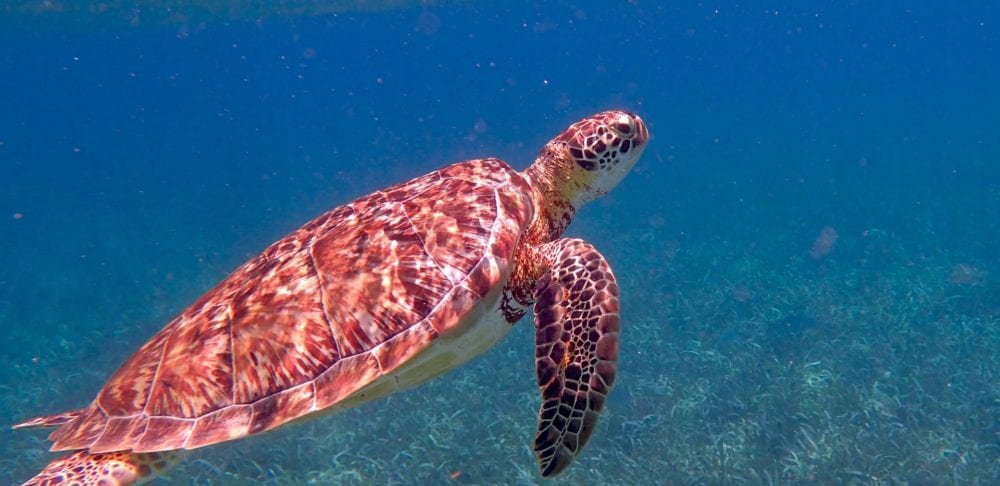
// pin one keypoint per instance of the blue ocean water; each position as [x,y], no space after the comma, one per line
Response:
[807,251]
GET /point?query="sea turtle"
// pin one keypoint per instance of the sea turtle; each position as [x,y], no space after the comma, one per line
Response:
[376,296]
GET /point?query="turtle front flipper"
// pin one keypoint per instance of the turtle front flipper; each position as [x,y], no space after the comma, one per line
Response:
[576,348]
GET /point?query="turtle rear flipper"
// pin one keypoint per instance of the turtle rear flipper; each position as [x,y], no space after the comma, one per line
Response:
[576,348]
[119,468]
[49,420]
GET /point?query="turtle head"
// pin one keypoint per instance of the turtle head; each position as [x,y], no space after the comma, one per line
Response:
[593,155]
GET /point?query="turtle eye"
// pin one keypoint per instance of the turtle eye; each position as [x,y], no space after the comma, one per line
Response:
[624,125]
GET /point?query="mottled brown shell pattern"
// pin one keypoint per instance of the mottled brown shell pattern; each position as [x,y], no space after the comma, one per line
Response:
[317,316]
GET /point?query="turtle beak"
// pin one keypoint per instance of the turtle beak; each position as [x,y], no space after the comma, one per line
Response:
[642,133]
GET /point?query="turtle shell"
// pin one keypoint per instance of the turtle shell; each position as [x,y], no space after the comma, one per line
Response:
[319,316]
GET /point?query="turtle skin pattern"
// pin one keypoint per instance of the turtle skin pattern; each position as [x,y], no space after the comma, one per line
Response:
[576,349]
[105,469]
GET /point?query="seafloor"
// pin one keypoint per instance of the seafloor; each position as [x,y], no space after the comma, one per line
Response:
[748,357]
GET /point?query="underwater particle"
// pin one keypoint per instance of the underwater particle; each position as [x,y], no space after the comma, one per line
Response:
[824,243]
[620,397]
[18,215]
[480,126]
[787,336]
[965,274]
[742,294]
[428,23]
